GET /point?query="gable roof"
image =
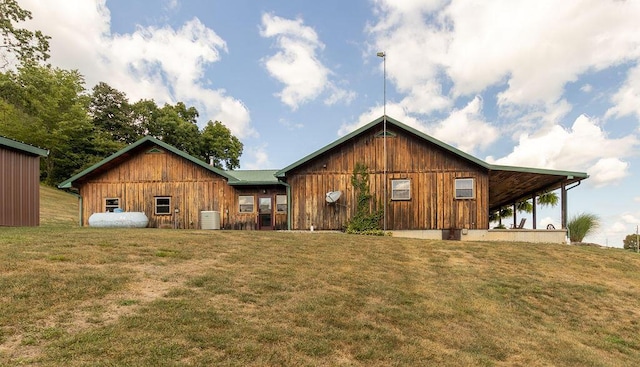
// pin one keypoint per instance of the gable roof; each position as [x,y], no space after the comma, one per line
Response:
[23,147]
[380,120]
[146,140]
[507,184]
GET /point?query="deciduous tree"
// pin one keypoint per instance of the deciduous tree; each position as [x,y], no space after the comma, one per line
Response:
[220,147]
[21,44]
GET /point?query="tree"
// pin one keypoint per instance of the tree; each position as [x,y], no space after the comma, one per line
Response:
[19,43]
[631,242]
[366,220]
[220,146]
[581,225]
[54,111]
[112,114]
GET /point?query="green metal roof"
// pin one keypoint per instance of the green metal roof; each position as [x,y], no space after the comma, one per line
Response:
[147,139]
[541,171]
[23,147]
[393,122]
[254,177]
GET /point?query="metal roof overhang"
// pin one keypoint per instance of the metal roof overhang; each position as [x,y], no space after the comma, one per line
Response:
[508,185]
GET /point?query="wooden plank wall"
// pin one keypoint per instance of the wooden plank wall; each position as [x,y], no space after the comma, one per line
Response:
[431,169]
[19,188]
[143,176]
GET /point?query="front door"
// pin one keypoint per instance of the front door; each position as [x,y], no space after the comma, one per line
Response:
[265,213]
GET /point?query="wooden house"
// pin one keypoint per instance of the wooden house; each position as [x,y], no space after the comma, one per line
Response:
[173,188]
[19,183]
[422,184]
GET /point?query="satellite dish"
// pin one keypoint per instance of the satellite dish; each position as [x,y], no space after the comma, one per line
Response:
[333,196]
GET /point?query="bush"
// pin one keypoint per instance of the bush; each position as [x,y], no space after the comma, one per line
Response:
[581,225]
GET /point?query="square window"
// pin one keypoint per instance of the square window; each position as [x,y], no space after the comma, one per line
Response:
[400,189]
[465,188]
[163,205]
[281,203]
[111,204]
[246,203]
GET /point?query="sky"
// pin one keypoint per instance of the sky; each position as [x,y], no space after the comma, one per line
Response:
[546,83]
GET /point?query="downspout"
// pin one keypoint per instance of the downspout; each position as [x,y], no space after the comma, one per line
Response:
[79,206]
[564,202]
[288,204]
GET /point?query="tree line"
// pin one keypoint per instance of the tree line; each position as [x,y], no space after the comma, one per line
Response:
[49,107]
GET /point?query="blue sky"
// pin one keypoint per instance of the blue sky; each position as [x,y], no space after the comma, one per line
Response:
[528,83]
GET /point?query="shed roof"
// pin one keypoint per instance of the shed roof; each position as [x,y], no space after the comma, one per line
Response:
[23,147]
[507,184]
[117,157]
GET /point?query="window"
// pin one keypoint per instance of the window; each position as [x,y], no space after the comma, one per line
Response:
[464,188]
[163,205]
[281,203]
[246,203]
[400,189]
[111,204]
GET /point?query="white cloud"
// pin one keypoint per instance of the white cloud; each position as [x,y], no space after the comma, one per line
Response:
[295,64]
[160,63]
[528,50]
[608,170]
[258,158]
[394,110]
[630,218]
[466,128]
[339,95]
[477,132]
[585,147]
[587,88]
[627,100]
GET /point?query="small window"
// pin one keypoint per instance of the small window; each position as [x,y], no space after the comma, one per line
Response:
[464,188]
[111,204]
[246,203]
[163,205]
[400,189]
[281,203]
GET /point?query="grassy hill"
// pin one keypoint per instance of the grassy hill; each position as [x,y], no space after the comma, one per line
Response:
[57,207]
[82,296]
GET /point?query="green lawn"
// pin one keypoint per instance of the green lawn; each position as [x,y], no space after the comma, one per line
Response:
[74,296]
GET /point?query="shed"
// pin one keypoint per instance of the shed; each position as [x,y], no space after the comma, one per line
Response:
[19,183]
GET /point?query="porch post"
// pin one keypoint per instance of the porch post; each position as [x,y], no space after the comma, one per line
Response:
[534,211]
[563,198]
[515,220]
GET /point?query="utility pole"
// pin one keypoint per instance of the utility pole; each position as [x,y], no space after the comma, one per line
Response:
[384,136]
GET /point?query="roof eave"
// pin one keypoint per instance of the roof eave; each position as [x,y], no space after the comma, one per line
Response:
[24,147]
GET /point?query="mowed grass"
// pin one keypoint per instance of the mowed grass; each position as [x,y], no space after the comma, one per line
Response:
[82,296]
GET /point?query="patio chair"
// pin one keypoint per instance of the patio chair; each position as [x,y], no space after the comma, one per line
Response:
[521,225]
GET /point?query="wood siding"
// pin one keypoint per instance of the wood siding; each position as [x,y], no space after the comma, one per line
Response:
[19,188]
[431,170]
[150,173]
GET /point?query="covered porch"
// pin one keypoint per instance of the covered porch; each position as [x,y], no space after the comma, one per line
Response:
[509,186]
